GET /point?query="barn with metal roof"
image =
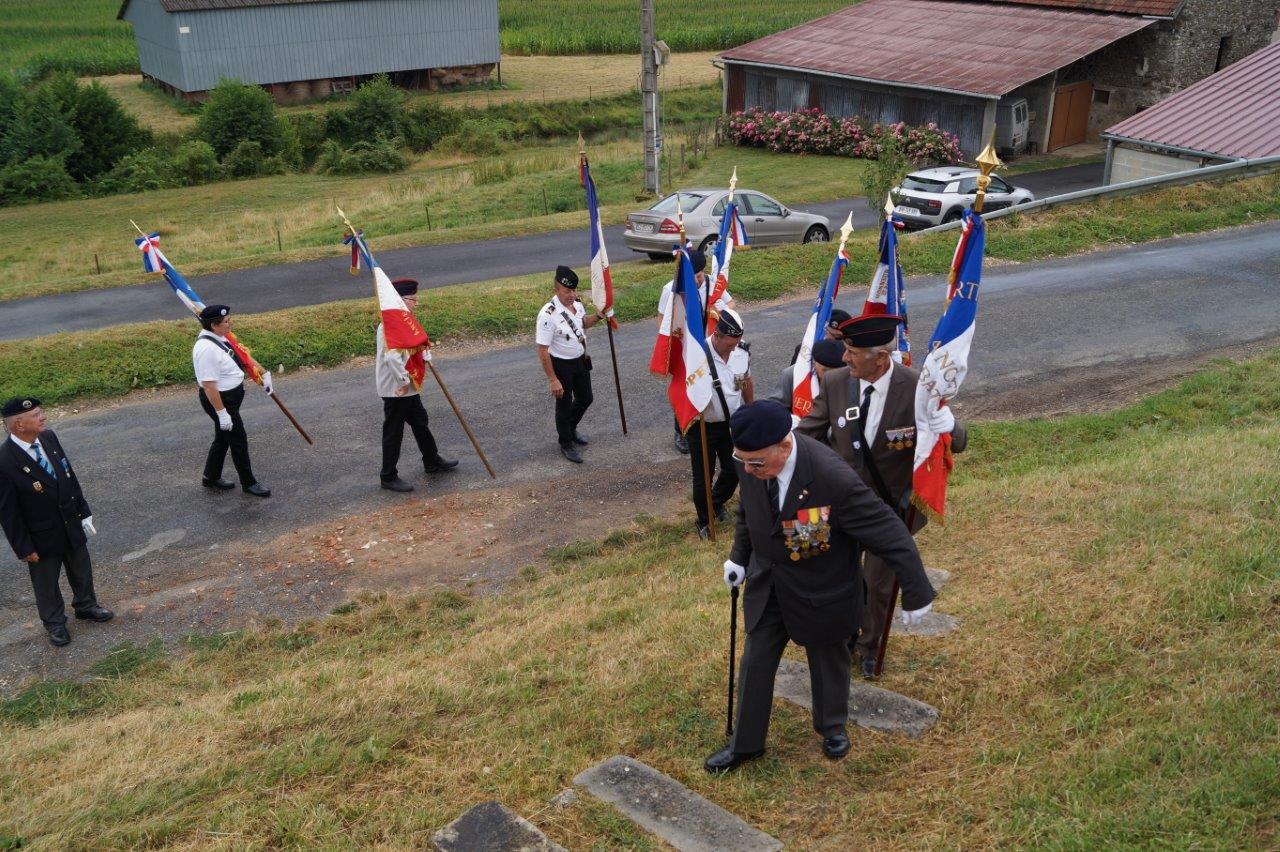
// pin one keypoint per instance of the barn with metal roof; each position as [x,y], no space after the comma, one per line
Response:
[1231,115]
[1074,66]
[299,49]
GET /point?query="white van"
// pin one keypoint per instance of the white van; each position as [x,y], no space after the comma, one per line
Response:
[1012,125]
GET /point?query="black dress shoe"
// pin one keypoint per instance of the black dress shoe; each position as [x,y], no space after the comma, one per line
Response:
[396,484]
[578,439]
[58,636]
[704,531]
[869,669]
[722,514]
[570,452]
[218,484]
[836,747]
[257,489]
[439,465]
[682,444]
[726,760]
[95,613]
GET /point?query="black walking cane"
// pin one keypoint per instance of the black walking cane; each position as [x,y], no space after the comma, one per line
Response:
[733,643]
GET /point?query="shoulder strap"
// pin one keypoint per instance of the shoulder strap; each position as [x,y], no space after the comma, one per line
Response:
[576,331]
[225,347]
[715,383]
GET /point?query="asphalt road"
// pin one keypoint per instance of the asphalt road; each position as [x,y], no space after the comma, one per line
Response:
[140,460]
[310,282]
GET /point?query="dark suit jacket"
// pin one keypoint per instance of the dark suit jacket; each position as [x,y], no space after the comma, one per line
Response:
[40,513]
[821,596]
[839,394]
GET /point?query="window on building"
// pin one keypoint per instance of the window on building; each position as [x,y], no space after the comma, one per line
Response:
[1224,54]
[1102,96]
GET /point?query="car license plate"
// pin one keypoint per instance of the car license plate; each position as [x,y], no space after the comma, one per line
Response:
[903,210]
[644,229]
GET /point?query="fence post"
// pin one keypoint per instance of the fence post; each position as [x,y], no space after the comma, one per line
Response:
[683,169]
[428,206]
[545,209]
[97,265]
[279,243]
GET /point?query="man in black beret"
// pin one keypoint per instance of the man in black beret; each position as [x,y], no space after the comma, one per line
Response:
[220,379]
[833,332]
[562,350]
[46,517]
[803,517]
[828,354]
[402,403]
[867,413]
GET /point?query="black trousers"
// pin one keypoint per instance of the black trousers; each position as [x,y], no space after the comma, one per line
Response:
[397,411]
[236,440]
[829,667]
[576,399]
[44,581]
[720,447]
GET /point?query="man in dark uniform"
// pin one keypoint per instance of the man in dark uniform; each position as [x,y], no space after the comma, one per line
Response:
[867,413]
[220,377]
[803,517]
[562,350]
[46,518]
[402,403]
[828,354]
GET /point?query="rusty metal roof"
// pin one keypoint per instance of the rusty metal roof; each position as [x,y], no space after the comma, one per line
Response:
[1154,8]
[1233,113]
[970,48]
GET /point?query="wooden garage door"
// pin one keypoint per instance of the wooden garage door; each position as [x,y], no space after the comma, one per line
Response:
[1070,115]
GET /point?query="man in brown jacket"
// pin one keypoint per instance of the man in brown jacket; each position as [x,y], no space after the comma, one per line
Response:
[866,413]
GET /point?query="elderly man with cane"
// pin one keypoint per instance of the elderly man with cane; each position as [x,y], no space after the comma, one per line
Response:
[803,516]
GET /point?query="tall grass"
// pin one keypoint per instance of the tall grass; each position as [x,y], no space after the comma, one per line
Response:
[80,36]
[613,26]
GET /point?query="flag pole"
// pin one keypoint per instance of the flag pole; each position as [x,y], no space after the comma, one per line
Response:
[457,412]
[276,399]
[988,161]
[608,324]
[702,415]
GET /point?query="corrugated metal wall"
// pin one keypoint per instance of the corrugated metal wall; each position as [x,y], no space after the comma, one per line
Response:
[157,38]
[780,90]
[279,44]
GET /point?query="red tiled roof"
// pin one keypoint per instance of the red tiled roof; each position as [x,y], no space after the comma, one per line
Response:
[940,44]
[1155,8]
[1233,113]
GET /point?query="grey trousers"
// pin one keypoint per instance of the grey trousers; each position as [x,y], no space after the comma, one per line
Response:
[829,667]
[44,582]
[879,579]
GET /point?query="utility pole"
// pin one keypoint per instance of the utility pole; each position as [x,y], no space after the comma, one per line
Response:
[649,94]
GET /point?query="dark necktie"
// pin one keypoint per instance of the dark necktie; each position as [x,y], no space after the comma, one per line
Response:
[771,486]
[864,441]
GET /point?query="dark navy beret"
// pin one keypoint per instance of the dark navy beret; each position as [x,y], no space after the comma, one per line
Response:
[19,405]
[829,353]
[699,260]
[729,324]
[759,425]
[405,286]
[214,313]
[837,318]
[566,277]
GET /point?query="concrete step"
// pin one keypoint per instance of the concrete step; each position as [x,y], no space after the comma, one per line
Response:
[869,706]
[665,807]
[492,827]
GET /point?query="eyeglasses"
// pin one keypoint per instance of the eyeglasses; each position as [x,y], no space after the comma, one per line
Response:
[754,464]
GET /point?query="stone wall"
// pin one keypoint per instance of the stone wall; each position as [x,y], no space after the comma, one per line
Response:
[1168,56]
[463,75]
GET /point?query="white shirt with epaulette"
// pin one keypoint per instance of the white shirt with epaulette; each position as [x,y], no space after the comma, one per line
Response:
[733,375]
[559,328]
[213,363]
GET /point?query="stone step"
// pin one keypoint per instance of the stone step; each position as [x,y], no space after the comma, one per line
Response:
[492,827]
[938,577]
[869,706]
[665,807]
[933,624]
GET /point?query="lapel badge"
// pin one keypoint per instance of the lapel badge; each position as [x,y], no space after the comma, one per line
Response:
[39,486]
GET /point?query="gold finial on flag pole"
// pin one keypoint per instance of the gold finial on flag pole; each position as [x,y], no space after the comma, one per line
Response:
[988,162]
[845,230]
[888,205]
[733,183]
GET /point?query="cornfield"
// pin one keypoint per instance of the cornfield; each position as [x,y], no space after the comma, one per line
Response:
[562,27]
[80,36]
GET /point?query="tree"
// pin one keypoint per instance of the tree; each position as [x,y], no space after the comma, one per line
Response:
[38,128]
[885,172]
[36,179]
[238,113]
[107,133]
[376,109]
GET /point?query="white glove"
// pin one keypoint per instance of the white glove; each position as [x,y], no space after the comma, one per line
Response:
[224,420]
[87,525]
[426,355]
[916,616]
[266,383]
[943,421]
[734,573]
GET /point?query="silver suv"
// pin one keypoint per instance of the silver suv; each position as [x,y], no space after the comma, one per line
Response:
[932,196]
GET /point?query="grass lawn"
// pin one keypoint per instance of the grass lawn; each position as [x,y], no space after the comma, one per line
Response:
[233,224]
[81,36]
[1112,683]
[65,367]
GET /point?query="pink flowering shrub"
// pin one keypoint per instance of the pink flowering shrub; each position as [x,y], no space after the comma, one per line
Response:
[811,131]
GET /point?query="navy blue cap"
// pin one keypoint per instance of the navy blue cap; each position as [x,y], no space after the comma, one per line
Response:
[829,353]
[699,260]
[19,405]
[405,286]
[838,318]
[566,277]
[870,330]
[760,425]
[214,313]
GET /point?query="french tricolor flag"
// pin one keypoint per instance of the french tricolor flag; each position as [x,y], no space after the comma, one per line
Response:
[601,279]
[888,293]
[399,326]
[945,368]
[680,351]
[804,389]
[733,235]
